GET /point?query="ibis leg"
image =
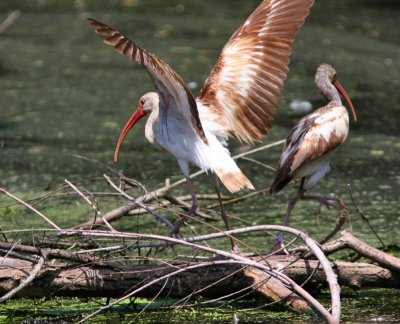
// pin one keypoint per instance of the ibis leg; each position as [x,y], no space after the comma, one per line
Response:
[224,215]
[185,216]
[291,205]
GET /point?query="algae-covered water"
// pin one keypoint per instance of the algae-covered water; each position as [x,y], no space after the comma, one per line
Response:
[63,93]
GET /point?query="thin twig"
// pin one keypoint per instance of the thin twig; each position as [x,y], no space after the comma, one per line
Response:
[258,149]
[186,206]
[31,208]
[198,291]
[266,166]
[342,219]
[152,300]
[10,249]
[139,203]
[91,204]
[364,217]
[240,198]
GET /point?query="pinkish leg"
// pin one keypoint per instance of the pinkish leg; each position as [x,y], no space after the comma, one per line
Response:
[292,203]
[193,208]
[323,200]
[281,237]
[235,248]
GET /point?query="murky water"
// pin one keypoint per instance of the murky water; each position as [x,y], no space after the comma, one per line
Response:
[64,93]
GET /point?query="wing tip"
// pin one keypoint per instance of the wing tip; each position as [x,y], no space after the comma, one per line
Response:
[234,180]
[279,183]
[93,22]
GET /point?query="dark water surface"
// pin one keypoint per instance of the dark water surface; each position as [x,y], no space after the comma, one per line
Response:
[64,93]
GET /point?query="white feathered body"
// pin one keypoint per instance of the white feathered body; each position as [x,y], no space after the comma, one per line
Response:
[168,129]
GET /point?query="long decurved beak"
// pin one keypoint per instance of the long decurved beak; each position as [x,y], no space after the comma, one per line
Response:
[346,96]
[138,114]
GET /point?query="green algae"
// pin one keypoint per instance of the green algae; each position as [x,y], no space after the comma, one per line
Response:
[63,94]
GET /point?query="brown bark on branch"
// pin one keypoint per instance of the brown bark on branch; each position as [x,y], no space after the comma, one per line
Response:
[51,253]
[221,279]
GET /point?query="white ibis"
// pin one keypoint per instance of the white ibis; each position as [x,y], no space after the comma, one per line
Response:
[310,143]
[238,98]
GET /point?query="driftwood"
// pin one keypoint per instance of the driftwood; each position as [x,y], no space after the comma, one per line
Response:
[221,280]
[237,277]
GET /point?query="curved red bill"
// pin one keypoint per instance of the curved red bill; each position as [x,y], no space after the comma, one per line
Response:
[346,96]
[139,113]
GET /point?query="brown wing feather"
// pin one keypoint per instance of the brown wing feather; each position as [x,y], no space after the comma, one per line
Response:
[167,81]
[244,86]
[306,143]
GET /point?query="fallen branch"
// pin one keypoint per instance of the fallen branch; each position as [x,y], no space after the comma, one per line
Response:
[221,279]
[383,259]
[33,274]
[331,277]
[51,253]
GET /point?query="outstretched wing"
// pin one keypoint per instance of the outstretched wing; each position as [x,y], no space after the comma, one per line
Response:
[168,83]
[244,86]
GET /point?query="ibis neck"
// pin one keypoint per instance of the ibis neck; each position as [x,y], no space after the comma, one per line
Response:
[152,122]
[327,89]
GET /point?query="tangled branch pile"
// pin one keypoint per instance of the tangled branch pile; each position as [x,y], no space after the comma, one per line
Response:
[94,259]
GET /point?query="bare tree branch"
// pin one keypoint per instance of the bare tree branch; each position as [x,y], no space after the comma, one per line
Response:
[342,218]
[383,259]
[363,216]
[51,253]
[331,277]
[31,208]
[139,203]
[91,204]
[33,274]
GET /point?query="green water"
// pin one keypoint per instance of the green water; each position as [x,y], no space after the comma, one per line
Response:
[63,93]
